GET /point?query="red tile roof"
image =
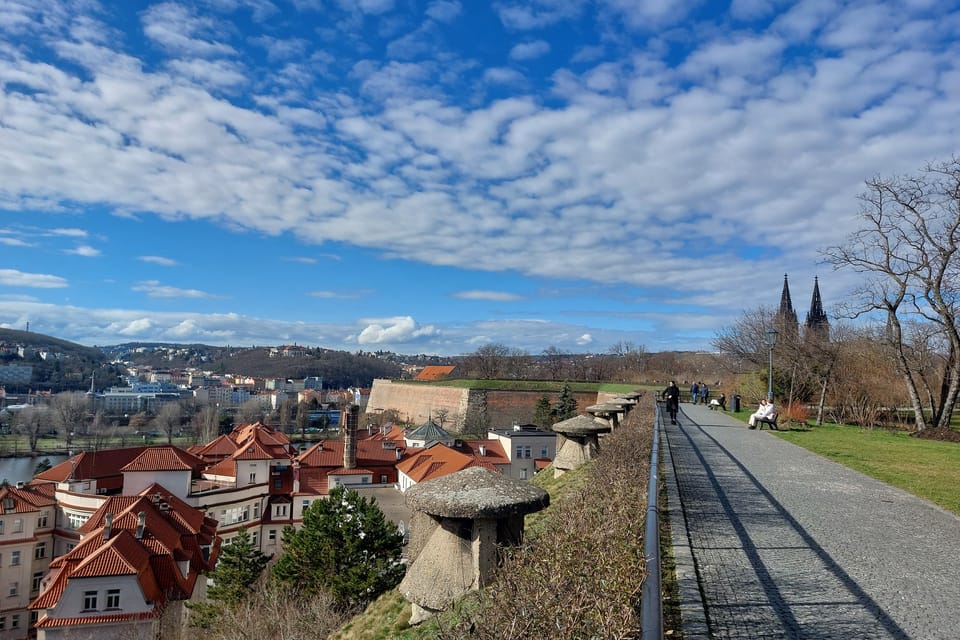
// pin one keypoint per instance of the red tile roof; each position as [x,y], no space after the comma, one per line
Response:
[92,465]
[218,448]
[164,459]
[435,462]
[435,372]
[24,500]
[47,622]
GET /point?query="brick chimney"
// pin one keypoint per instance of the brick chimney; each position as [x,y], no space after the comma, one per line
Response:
[351,416]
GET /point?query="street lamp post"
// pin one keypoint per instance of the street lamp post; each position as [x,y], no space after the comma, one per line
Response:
[771,341]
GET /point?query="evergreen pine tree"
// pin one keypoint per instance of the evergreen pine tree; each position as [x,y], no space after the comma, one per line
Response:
[346,547]
[566,406]
[543,413]
[238,569]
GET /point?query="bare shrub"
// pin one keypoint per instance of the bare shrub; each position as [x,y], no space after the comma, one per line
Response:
[567,582]
[278,614]
[795,412]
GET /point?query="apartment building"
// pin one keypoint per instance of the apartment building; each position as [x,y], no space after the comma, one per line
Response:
[139,560]
[26,547]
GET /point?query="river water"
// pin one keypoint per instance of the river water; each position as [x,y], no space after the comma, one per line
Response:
[15,470]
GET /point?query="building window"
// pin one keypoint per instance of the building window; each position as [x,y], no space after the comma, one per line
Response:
[14,589]
[40,551]
[76,520]
[272,536]
[18,525]
[1,526]
[42,520]
[113,598]
[37,579]
[523,474]
[253,478]
[14,558]
[89,600]
[254,538]
[306,505]
[15,621]
[277,483]
[544,452]
[384,479]
[3,622]
[519,451]
[527,452]
[256,510]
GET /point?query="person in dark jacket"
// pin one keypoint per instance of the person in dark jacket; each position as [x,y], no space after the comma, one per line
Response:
[671,396]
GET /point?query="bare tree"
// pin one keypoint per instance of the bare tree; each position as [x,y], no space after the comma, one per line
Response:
[33,421]
[168,419]
[554,362]
[250,411]
[909,249]
[206,423]
[285,412]
[629,360]
[490,361]
[70,411]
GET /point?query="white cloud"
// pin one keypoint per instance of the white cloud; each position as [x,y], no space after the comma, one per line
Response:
[399,330]
[585,339]
[495,296]
[536,14]
[14,278]
[14,242]
[154,289]
[72,233]
[160,260]
[84,250]
[183,32]
[444,10]
[530,50]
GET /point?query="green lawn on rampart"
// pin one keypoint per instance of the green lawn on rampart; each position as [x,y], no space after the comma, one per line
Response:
[547,386]
[929,469]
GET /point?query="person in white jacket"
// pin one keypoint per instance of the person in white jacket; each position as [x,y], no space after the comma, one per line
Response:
[765,410]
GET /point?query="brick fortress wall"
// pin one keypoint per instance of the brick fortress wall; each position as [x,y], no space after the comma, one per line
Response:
[499,408]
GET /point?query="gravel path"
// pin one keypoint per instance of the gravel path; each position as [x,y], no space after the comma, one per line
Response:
[773,541]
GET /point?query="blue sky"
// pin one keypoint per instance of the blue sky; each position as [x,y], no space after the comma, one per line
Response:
[430,177]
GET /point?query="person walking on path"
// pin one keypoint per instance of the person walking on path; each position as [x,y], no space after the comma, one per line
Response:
[694,392]
[672,397]
[704,393]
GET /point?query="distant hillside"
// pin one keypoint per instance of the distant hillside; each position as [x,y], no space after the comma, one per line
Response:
[339,369]
[49,343]
[68,367]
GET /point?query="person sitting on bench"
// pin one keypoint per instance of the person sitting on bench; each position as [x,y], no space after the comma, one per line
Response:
[720,402]
[765,413]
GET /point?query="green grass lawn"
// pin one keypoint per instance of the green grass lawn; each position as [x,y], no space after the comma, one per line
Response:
[929,469]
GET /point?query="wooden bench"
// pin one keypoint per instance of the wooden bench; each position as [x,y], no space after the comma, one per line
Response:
[770,422]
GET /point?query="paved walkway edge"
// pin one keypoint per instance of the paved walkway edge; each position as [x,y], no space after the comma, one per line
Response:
[692,611]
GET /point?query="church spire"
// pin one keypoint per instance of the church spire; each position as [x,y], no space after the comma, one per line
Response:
[786,318]
[817,321]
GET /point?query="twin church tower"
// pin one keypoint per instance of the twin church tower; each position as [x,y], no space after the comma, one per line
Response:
[815,326]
